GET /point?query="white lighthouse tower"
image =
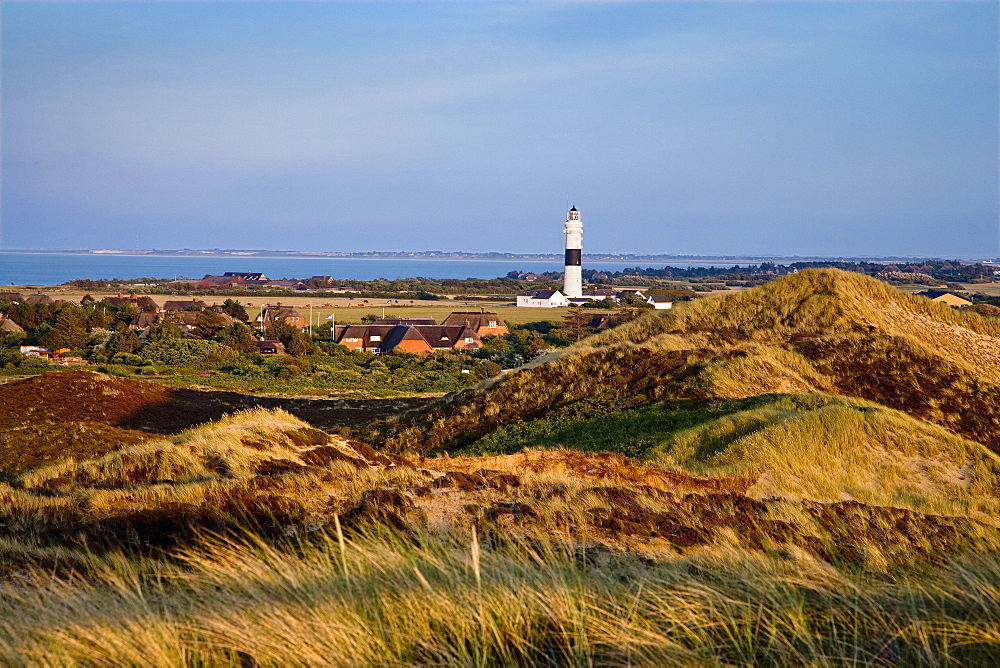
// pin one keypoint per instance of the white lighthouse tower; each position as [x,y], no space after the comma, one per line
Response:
[573,278]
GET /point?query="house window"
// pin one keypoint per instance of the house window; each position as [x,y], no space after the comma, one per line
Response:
[493,324]
[376,338]
[469,339]
[352,340]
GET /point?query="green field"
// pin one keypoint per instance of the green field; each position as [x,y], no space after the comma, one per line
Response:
[436,310]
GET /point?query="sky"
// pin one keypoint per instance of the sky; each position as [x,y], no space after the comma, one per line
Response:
[812,128]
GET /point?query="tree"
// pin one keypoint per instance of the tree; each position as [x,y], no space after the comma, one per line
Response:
[235,310]
[98,315]
[535,346]
[124,340]
[575,324]
[69,331]
[369,318]
[11,339]
[146,304]
[125,312]
[208,324]
[299,345]
[634,300]
[238,337]
[295,342]
[25,315]
[164,330]
[627,315]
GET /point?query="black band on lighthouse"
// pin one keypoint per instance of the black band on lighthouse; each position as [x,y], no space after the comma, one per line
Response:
[572,257]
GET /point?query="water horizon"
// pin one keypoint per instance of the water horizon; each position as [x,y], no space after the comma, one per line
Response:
[41,268]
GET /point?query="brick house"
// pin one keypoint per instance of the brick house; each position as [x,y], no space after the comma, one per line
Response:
[271,314]
[419,339]
[484,323]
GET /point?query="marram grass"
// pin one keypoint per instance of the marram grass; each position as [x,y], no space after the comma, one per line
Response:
[385,600]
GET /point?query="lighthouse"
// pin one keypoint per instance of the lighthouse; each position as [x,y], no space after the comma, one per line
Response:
[573,278]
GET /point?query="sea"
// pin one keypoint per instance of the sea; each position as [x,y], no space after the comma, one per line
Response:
[58,268]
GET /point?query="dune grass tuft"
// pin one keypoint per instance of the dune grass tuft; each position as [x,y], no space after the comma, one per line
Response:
[393,601]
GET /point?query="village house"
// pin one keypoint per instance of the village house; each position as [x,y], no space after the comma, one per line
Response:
[271,314]
[183,328]
[484,323]
[404,321]
[121,299]
[541,299]
[270,347]
[554,298]
[602,321]
[39,298]
[219,282]
[246,275]
[55,357]
[8,325]
[291,284]
[207,282]
[184,321]
[613,295]
[12,297]
[660,302]
[598,294]
[183,305]
[134,300]
[419,339]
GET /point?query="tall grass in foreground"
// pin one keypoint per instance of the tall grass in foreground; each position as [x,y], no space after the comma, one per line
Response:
[386,600]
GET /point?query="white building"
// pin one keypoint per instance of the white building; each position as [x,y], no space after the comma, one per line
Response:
[541,299]
[661,302]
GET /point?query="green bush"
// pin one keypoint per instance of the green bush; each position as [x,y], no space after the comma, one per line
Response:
[128,358]
[13,359]
[186,351]
[116,370]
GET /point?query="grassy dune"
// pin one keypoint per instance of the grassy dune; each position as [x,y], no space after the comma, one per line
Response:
[819,330]
[817,446]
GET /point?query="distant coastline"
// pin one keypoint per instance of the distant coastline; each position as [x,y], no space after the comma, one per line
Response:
[462,255]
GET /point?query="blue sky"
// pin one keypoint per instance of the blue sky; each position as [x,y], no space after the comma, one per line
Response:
[786,128]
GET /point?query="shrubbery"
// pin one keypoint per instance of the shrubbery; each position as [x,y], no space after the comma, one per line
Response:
[13,359]
[186,351]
